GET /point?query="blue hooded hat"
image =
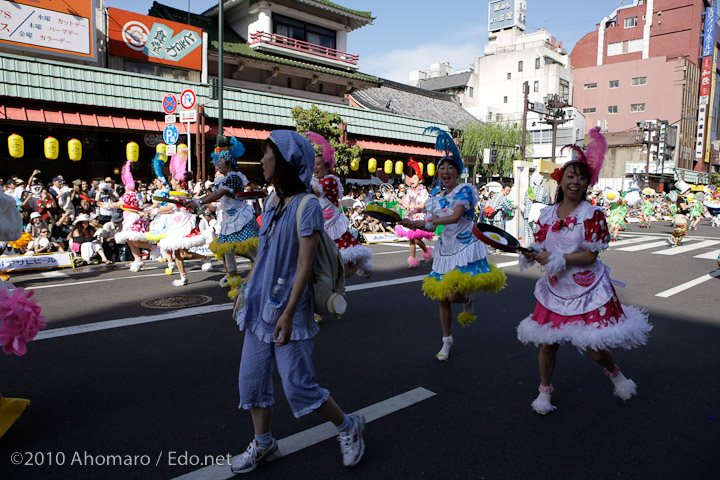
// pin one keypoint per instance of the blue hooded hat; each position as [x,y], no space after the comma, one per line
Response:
[297,151]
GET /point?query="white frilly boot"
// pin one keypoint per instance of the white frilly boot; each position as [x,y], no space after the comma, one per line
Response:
[542,403]
[624,387]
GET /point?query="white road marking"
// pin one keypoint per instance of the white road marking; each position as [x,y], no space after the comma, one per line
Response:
[644,246]
[687,285]
[627,241]
[54,273]
[687,248]
[388,253]
[85,282]
[709,255]
[320,433]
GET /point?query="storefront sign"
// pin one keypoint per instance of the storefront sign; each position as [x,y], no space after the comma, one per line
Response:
[65,29]
[506,14]
[709,32]
[154,40]
[33,262]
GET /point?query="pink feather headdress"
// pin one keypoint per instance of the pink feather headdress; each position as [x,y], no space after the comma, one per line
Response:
[328,152]
[126,176]
[178,165]
[593,157]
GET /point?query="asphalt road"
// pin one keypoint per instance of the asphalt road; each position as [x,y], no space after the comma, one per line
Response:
[161,396]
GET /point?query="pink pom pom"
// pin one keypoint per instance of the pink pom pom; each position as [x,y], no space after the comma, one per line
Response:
[328,152]
[20,320]
[126,176]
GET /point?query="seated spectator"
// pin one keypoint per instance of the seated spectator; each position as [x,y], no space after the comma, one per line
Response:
[84,242]
[44,244]
[107,236]
[35,225]
[357,217]
[62,229]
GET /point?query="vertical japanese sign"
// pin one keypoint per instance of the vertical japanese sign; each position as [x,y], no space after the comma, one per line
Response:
[707,77]
[64,29]
[155,40]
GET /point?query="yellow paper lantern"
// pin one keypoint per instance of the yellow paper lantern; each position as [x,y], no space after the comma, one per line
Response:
[431,169]
[398,168]
[52,148]
[372,165]
[74,149]
[421,165]
[16,145]
[388,166]
[132,151]
[354,164]
[161,150]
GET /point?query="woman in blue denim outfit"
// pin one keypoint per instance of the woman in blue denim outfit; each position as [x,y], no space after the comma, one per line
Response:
[282,333]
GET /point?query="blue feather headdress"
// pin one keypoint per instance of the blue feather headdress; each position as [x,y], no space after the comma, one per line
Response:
[157,167]
[236,150]
[445,144]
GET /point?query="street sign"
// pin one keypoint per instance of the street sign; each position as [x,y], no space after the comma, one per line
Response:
[187,99]
[170,118]
[169,103]
[170,134]
[171,149]
[189,116]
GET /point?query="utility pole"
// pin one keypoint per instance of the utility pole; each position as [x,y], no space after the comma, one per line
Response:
[555,116]
[526,93]
[221,41]
[650,139]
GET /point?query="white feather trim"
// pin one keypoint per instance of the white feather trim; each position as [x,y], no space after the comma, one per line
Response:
[181,243]
[130,236]
[626,389]
[595,246]
[524,263]
[630,331]
[356,254]
[542,404]
[556,263]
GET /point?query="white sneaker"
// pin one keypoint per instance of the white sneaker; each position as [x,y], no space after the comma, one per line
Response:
[254,456]
[180,282]
[444,352]
[136,266]
[207,265]
[352,445]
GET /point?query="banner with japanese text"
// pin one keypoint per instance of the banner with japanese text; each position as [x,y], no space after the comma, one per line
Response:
[155,40]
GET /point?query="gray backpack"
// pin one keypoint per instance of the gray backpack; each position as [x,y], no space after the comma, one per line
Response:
[327,277]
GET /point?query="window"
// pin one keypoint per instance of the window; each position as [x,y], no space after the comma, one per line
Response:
[612,109]
[590,86]
[307,32]
[520,66]
[614,83]
[537,63]
[504,99]
[639,81]
[631,22]
[536,86]
[564,90]
[470,91]
[156,70]
[589,110]
[509,75]
[637,107]
[626,46]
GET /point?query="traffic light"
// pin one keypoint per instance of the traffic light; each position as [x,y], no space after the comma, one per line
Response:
[493,155]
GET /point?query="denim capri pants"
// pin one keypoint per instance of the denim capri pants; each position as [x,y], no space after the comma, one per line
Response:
[296,372]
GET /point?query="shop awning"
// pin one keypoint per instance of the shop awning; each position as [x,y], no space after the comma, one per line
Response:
[64,117]
[396,148]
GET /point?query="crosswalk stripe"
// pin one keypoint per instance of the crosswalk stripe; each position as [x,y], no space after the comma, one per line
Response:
[628,241]
[712,255]
[687,248]
[692,283]
[644,246]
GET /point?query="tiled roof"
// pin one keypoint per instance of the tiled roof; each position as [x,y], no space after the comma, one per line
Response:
[414,102]
[243,49]
[58,82]
[345,9]
[439,84]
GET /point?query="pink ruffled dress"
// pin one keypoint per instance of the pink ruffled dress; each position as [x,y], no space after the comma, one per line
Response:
[578,304]
[414,196]
[134,226]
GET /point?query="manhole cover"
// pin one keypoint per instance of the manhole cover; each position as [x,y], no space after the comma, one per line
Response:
[177,301]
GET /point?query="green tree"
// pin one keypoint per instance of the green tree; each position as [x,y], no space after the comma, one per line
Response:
[328,125]
[478,136]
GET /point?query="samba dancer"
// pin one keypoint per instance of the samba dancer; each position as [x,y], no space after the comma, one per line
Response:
[460,266]
[414,201]
[328,189]
[577,303]
[239,229]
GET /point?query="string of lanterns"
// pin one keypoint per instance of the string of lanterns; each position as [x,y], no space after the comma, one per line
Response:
[388,166]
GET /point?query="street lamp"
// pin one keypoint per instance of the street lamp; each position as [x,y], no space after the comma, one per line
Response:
[555,115]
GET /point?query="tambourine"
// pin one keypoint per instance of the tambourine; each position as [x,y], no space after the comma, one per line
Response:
[382,213]
[169,200]
[498,238]
[251,195]
[85,197]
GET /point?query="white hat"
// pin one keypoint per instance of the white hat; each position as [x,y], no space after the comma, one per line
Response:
[103,186]
[35,215]
[83,217]
[611,195]
[681,186]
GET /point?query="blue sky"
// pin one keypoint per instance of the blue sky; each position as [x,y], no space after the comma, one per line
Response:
[411,34]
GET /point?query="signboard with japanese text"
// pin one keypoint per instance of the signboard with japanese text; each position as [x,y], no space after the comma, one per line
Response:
[64,29]
[705,76]
[155,40]
[710,121]
[506,14]
[42,261]
[709,32]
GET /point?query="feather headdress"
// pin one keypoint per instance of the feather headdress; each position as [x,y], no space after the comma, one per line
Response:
[326,150]
[236,150]
[126,176]
[157,168]
[593,157]
[178,164]
[415,167]
[446,144]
